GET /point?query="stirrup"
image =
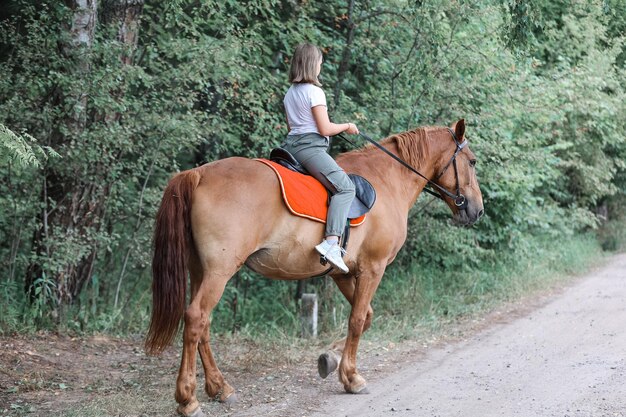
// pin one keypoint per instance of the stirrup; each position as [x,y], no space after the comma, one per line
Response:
[325,261]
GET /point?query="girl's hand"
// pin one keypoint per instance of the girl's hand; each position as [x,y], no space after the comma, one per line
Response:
[327,128]
[352,129]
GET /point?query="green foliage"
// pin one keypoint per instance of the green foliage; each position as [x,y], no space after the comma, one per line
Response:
[432,297]
[541,84]
[251,306]
[22,149]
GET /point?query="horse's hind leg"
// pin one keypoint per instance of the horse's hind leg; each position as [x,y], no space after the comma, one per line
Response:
[206,293]
[215,385]
[329,361]
[214,380]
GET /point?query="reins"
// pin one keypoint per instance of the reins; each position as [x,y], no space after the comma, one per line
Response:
[458,198]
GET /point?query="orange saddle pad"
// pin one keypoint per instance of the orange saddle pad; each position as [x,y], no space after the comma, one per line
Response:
[303,195]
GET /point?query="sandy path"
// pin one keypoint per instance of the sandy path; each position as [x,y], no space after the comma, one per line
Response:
[567,358]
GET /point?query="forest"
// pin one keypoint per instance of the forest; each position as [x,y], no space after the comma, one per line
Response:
[102,101]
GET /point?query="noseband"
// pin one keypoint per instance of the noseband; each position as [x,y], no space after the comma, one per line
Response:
[459,199]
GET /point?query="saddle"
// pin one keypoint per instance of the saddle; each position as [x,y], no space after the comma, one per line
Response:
[365,195]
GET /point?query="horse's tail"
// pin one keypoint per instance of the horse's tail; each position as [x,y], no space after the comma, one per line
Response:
[172,240]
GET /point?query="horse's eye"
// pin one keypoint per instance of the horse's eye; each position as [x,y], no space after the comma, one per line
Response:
[472,162]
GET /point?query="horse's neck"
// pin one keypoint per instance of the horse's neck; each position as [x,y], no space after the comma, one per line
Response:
[389,177]
[413,184]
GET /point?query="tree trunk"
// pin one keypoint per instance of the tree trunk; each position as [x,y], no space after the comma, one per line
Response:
[125,14]
[345,56]
[75,192]
[63,206]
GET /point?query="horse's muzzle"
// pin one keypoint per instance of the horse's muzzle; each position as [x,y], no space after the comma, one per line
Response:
[468,214]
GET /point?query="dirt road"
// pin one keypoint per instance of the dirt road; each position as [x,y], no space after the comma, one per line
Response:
[567,358]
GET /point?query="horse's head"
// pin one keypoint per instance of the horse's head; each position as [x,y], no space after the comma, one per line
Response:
[455,172]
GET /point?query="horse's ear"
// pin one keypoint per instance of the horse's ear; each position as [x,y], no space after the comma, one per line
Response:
[459,129]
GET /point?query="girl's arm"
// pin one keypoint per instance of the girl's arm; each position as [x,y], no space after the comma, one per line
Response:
[328,128]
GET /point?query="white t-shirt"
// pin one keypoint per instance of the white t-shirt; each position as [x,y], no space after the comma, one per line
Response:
[299,101]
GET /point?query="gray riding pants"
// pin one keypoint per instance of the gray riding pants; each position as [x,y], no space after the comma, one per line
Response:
[311,150]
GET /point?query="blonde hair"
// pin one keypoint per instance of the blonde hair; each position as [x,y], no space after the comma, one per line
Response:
[304,64]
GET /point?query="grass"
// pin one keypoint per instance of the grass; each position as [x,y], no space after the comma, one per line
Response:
[410,300]
[431,298]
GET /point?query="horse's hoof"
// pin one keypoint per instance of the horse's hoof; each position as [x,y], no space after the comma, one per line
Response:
[326,364]
[358,386]
[363,390]
[228,395]
[358,390]
[230,400]
[196,412]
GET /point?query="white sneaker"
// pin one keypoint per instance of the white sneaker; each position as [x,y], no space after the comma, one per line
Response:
[332,253]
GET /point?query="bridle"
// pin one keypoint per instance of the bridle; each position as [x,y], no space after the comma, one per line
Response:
[459,199]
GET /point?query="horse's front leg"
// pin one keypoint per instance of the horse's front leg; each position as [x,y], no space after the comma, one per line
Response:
[329,361]
[366,285]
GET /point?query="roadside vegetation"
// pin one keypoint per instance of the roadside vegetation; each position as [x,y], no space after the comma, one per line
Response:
[91,128]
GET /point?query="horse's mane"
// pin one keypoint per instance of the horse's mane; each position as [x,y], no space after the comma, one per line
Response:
[412,145]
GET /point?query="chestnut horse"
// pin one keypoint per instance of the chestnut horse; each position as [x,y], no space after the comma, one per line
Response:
[215,218]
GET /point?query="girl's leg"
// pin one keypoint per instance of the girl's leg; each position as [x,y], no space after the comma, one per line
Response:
[311,151]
